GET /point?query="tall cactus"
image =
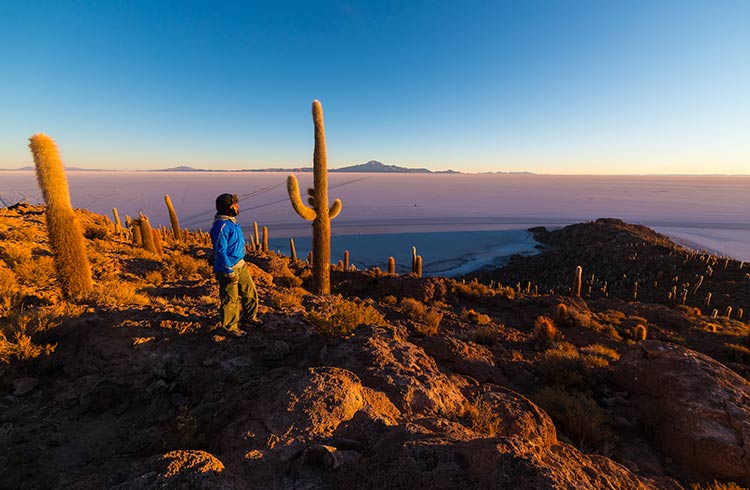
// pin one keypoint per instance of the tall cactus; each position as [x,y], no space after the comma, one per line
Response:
[173,218]
[65,235]
[577,282]
[319,213]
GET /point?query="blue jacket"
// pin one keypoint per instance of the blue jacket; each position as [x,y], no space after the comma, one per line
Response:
[228,242]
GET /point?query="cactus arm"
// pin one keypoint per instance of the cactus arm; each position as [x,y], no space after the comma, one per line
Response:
[292,188]
[335,209]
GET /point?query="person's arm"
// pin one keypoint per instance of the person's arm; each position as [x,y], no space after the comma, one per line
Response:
[220,249]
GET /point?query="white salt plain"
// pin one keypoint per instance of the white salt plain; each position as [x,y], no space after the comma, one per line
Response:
[385,214]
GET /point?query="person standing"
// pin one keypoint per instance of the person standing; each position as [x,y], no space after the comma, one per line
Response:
[236,288]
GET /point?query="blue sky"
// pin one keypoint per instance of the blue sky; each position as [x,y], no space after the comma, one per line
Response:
[543,86]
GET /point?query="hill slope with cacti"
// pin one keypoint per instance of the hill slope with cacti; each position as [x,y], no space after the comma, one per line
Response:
[392,381]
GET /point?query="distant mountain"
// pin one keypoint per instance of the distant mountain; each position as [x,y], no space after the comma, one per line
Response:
[377,167]
[181,168]
[69,169]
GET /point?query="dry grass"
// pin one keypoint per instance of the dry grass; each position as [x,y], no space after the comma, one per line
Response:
[117,294]
[600,351]
[341,317]
[36,273]
[565,367]
[737,352]
[475,317]
[181,266]
[483,419]
[15,254]
[287,298]
[717,485]
[426,320]
[545,333]
[576,415]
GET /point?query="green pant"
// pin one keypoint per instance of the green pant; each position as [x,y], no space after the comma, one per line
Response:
[231,293]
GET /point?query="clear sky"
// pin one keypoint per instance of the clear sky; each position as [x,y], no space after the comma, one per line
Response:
[560,86]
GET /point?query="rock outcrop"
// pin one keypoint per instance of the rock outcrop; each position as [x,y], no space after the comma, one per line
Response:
[699,409]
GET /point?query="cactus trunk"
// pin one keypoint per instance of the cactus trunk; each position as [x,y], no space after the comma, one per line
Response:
[147,235]
[265,239]
[577,282]
[391,265]
[292,250]
[173,218]
[65,235]
[118,224]
[320,214]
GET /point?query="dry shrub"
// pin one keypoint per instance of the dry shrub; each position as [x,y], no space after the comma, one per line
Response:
[22,234]
[563,366]
[341,317]
[475,317]
[472,291]
[96,232]
[37,273]
[181,266]
[429,324]
[483,419]
[154,277]
[413,308]
[21,347]
[117,294]
[599,350]
[576,415]
[287,298]
[545,334]
[16,337]
[427,321]
[8,282]
[390,300]
[716,485]
[15,254]
[104,268]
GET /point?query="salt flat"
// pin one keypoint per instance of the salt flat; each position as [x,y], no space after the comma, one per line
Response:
[703,211]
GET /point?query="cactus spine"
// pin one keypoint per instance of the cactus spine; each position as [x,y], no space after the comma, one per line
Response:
[65,235]
[577,282]
[319,214]
[173,218]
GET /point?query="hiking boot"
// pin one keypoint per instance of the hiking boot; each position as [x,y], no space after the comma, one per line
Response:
[252,322]
[236,332]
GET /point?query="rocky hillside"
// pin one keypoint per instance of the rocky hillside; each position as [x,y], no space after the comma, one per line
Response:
[392,382]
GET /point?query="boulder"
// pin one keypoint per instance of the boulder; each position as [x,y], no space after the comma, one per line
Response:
[468,358]
[699,409]
[410,378]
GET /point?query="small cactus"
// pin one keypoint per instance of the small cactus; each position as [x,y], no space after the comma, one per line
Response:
[147,235]
[346,260]
[740,313]
[135,225]
[292,250]
[640,332]
[418,270]
[414,259]
[391,265]
[320,214]
[728,312]
[173,218]
[118,224]
[577,282]
[256,236]
[265,239]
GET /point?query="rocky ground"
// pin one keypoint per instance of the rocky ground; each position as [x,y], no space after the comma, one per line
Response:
[391,382]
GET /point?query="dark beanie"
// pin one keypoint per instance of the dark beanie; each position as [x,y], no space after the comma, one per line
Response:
[224,202]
